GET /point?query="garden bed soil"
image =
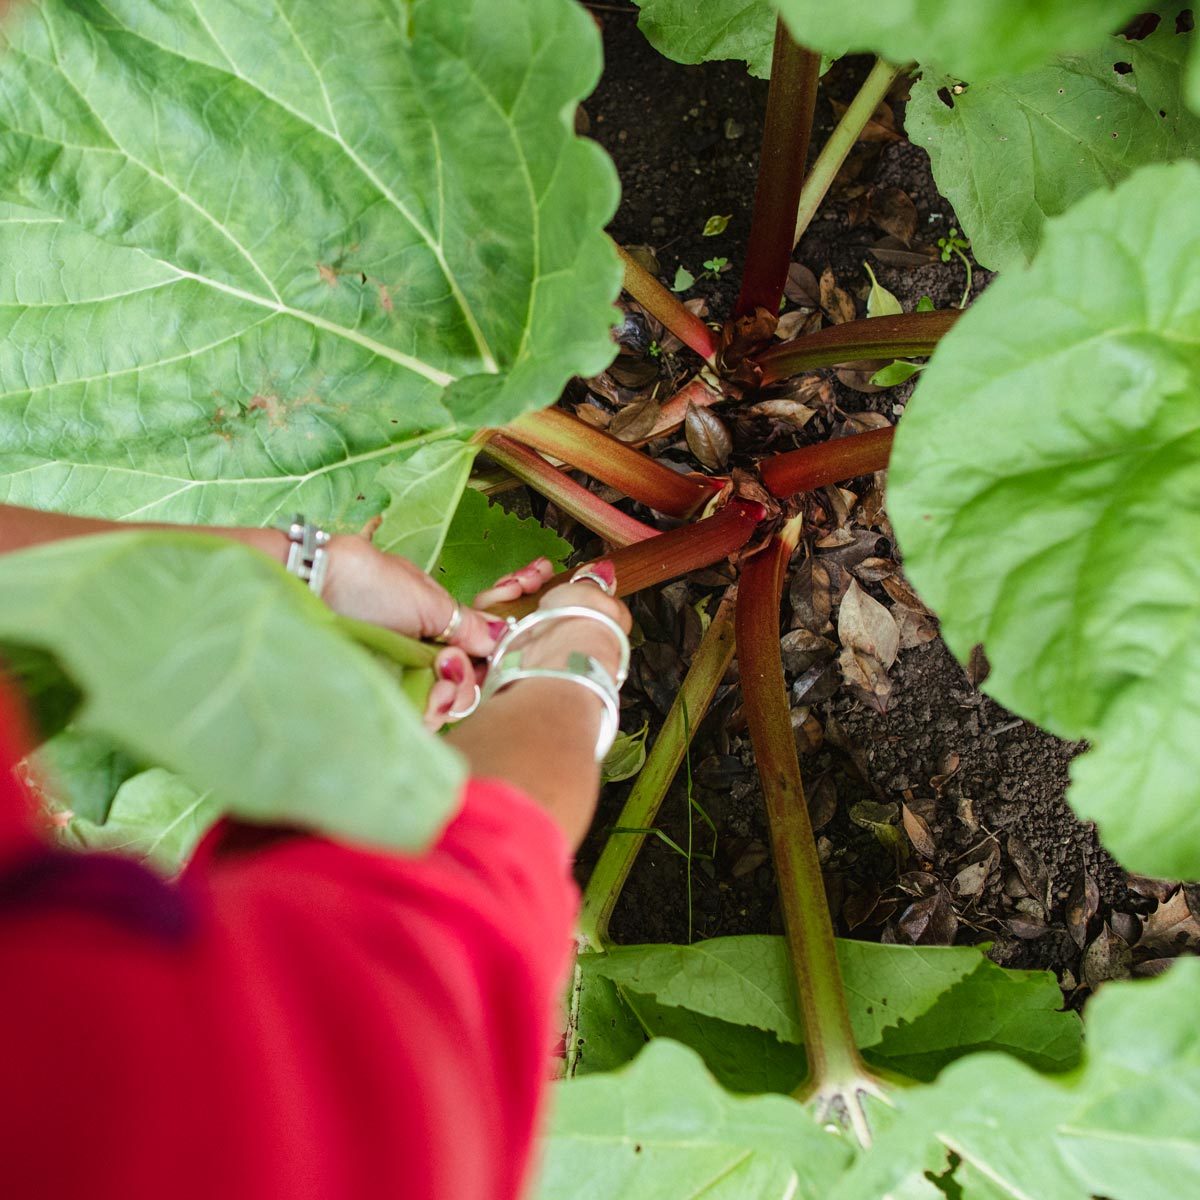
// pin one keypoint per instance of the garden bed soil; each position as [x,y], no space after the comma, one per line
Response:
[999,852]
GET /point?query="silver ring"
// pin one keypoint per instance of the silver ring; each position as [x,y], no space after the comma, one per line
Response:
[586,573]
[459,716]
[452,625]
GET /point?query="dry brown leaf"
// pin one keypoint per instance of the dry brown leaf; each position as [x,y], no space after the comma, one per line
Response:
[593,415]
[811,598]
[898,589]
[872,570]
[635,421]
[864,422]
[808,733]
[867,677]
[802,649]
[791,324]
[791,412]
[1172,927]
[915,628]
[1108,957]
[893,211]
[931,921]
[822,802]
[801,286]
[880,127]
[1031,868]
[918,832]
[837,304]
[1026,928]
[893,253]
[978,667]
[1083,902]
[970,880]
[634,371]
[707,437]
[947,768]
[866,626]
[857,376]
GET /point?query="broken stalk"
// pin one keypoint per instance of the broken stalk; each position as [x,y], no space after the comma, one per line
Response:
[667,308]
[838,1079]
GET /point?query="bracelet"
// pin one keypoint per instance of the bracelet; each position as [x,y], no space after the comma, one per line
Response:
[307,557]
[534,619]
[582,669]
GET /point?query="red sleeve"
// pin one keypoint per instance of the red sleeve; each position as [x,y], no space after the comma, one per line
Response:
[299,1020]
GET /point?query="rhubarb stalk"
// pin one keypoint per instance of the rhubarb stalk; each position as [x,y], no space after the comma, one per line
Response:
[902,336]
[668,555]
[838,1079]
[708,667]
[614,526]
[667,308]
[602,456]
[812,467]
[786,133]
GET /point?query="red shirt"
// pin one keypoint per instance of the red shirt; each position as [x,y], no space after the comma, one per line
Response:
[297,1018]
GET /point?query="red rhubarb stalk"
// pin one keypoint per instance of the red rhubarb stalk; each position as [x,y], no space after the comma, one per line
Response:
[812,467]
[614,526]
[837,1078]
[602,456]
[786,133]
[902,336]
[669,555]
[667,308]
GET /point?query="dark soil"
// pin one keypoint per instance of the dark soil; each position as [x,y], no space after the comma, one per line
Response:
[988,786]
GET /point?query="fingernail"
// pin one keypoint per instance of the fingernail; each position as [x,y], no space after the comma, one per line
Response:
[605,570]
[506,581]
[497,629]
[451,669]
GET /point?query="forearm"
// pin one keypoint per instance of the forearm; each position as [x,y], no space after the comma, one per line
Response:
[539,736]
[21,528]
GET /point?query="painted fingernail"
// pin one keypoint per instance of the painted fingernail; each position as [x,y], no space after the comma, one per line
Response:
[506,581]
[451,669]
[605,570]
[497,629]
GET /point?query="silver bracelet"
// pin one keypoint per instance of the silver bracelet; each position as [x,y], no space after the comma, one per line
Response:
[506,667]
[542,615]
[307,557]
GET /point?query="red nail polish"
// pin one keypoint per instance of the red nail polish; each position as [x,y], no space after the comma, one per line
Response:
[451,669]
[497,629]
[605,570]
[506,581]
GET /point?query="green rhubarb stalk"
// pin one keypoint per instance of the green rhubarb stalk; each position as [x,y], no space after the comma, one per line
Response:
[602,456]
[667,308]
[837,1079]
[669,555]
[791,98]
[841,141]
[906,335]
[812,467]
[708,667]
[614,526]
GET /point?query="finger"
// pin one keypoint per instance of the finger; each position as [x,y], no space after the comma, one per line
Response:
[589,596]
[439,704]
[523,582]
[454,667]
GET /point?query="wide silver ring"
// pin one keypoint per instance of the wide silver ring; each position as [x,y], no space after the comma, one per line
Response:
[585,573]
[452,625]
[461,716]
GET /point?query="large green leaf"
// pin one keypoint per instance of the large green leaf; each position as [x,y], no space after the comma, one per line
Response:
[207,658]
[662,1129]
[82,772]
[982,39]
[155,817]
[1012,152]
[251,247]
[913,1008]
[1045,489]
[1126,1125]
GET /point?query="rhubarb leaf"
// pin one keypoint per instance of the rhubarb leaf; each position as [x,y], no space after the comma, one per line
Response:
[252,248]
[984,39]
[155,818]
[206,658]
[1011,152]
[424,490]
[485,542]
[1126,1125]
[80,773]
[663,1128]
[1045,490]
[916,1007]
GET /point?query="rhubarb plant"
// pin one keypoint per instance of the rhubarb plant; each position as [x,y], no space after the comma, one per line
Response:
[295,259]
